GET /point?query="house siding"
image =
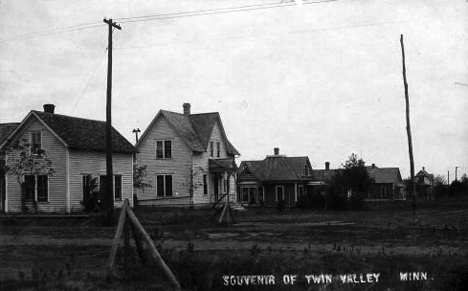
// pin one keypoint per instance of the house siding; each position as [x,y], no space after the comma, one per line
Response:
[94,164]
[56,152]
[179,165]
[201,166]
[289,194]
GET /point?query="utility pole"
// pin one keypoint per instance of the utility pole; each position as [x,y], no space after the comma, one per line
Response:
[408,131]
[456,168]
[109,185]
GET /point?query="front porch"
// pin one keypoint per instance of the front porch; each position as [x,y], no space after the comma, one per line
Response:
[222,173]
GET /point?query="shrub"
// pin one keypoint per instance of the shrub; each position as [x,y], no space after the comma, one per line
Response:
[92,197]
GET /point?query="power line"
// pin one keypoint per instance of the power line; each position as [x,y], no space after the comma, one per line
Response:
[53,31]
[91,77]
[214,11]
[300,31]
[153,17]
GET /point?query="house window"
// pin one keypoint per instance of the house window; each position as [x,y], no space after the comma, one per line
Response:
[164,185]
[218,149]
[86,185]
[260,193]
[301,191]
[29,182]
[36,143]
[37,186]
[163,149]
[279,193]
[118,187]
[307,170]
[205,184]
[211,149]
[168,149]
[42,183]
[103,185]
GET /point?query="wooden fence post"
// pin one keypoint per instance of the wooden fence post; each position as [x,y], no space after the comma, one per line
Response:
[152,249]
[118,235]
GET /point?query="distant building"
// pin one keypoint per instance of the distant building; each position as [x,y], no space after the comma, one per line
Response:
[190,160]
[76,147]
[387,184]
[276,178]
[424,183]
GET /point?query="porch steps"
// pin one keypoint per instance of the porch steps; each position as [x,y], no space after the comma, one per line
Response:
[234,206]
[237,207]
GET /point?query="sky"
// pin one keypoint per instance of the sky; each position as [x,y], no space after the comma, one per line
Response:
[322,80]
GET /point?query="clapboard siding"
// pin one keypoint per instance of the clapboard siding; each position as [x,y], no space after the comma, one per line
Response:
[179,165]
[56,152]
[94,163]
[201,161]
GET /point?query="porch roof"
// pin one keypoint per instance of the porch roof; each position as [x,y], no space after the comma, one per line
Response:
[222,165]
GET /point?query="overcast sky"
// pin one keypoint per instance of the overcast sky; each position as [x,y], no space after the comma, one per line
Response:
[322,80]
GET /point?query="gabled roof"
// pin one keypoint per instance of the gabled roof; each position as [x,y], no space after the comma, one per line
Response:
[423,172]
[80,133]
[6,129]
[324,175]
[385,175]
[279,168]
[194,129]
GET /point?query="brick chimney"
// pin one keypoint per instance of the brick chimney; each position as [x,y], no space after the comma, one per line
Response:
[276,151]
[49,108]
[186,108]
[327,166]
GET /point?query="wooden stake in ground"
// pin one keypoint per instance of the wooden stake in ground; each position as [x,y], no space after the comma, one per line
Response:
[138,233]
[408,131]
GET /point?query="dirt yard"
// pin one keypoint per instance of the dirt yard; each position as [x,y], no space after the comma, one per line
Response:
[30,249]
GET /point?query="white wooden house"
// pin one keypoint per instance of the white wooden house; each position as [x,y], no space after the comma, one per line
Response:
[76,147]
[189,159]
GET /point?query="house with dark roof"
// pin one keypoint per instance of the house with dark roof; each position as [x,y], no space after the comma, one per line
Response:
[424,183]
[387,184]
[275,178]
[190,160]
[76,147]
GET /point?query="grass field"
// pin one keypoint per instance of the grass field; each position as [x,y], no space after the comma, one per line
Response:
[71,254]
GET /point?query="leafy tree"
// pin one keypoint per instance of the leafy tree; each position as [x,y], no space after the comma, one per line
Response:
[440,185]
[139,175]
[92,200]
[350,184]
[21,161]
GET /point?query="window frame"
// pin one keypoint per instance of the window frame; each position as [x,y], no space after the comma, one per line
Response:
[205,184]
[282,192]
[35,189]
[85,182]
[118,186]
[165,151]
[218,149]
[35,147]
[211,149]
[45,187]
[164,185]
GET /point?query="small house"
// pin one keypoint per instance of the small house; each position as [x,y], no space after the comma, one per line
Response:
[274,179]
[76,147]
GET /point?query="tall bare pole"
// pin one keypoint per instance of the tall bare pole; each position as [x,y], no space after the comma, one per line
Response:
[109,199]
[408,131]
